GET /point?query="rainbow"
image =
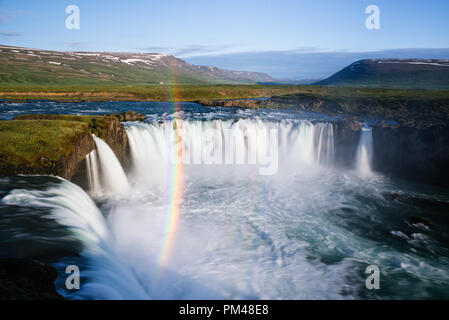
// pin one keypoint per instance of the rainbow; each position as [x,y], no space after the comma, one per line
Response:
[176,178]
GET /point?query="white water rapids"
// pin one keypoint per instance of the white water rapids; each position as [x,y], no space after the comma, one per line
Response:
[114,180]
[226,147]
[239,234]
[365,152]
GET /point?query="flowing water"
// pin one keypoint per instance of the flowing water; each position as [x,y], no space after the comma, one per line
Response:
[278,219]
[365,152]
[114,178]
[93,173]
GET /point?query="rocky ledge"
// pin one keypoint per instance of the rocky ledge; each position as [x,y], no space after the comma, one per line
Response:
[25,279]
[415,108]
[236,103]
[414,146]
[417,154]
[57,144]
[129,116]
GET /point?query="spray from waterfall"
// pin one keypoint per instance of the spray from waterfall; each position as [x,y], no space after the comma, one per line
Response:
[114,179]
[163,153]
[226,142]
[108,275]
[365,152]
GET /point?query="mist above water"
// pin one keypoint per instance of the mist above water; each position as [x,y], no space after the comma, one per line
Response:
[307,231]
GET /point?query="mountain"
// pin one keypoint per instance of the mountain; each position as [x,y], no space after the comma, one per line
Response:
[393,73]
[37,67]
[300,65]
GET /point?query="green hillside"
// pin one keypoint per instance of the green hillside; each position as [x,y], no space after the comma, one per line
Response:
[393,73]
[42,67]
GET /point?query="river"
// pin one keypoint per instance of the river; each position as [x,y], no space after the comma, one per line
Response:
[278,219]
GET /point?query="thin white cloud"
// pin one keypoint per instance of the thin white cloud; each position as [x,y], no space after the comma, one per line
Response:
[7,16]
[10,34]
[193,50]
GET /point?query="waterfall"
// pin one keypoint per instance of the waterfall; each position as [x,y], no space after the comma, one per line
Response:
[324,143]
[93,174]
[223,142]
[365,152]
[113,177]
[109,276]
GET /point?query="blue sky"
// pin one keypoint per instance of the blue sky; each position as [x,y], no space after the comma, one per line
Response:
[199,27]
[196,28]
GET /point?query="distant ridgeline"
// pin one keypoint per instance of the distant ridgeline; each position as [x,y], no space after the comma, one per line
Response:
[43,67]
[393,73]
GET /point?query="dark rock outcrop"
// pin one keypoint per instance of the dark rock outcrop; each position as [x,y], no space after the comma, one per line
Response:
[413,153]
[43,147]
[407,152]
[114,134]
[129,116]
[24,279]
[414,147]
[237,103]
[108,127]
[346,138]
[67,166]
[307,102]
[64,167]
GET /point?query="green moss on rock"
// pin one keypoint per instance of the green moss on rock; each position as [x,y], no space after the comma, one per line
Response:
[96,124]
[56,144]
[36,143]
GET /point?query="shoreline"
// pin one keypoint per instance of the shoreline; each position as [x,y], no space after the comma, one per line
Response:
[186,93]
[214,93]
[419,115]
[58,144]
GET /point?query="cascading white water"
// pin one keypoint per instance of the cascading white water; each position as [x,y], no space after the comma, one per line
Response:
[110,277]
[224,142]
[113,177]
[324,143]
[133,235]
[247,237]
[365,152]
[93,173]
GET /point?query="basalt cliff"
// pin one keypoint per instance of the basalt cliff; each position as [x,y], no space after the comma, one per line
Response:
[410,128]
[58,144]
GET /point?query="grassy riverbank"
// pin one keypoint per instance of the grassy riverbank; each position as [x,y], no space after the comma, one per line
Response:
[56,144]
[411,107]
[29,142]
[143,93]
[212,92]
